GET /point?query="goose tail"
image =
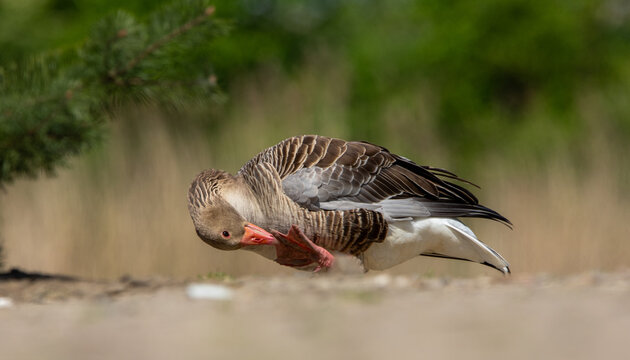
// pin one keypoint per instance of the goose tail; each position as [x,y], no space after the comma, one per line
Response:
[465,246]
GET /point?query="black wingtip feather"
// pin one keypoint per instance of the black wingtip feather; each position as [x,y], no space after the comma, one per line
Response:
[447,174]
[450,190]
[493,215]
[456,210]
[454,191]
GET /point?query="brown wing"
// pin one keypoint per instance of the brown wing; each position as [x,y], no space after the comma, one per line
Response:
[322,172]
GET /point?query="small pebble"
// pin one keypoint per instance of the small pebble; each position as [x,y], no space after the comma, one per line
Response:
[209,292]
[5,302]
[382,280]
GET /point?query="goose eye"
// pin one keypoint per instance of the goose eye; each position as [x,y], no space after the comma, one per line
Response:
[225,234]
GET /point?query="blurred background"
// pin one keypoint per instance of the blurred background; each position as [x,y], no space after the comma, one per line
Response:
[528,99]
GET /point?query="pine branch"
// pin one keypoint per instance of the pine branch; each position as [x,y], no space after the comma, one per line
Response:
[163,41]
[54,106]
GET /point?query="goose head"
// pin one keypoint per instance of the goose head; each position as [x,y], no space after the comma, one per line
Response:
[216,221]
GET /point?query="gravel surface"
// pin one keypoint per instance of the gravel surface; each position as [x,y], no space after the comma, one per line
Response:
[302,316]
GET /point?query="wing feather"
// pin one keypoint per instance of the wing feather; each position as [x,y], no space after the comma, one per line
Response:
[318,172]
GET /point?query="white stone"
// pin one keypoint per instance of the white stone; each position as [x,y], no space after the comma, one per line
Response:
[5,302]
[209,292]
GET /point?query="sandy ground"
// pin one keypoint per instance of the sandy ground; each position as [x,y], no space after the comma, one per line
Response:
[318,317]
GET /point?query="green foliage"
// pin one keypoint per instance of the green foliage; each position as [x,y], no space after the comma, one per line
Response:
[42,120]
[499,75]
[31,26]
[501,67]
[53,105]
[496,75]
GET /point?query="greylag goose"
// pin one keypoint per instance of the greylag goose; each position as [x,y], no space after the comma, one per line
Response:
[312,195]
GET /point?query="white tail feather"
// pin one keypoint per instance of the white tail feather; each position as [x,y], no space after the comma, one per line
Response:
[438,237]
[474,249]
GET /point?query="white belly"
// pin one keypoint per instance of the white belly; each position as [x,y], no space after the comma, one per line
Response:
[408,239]
[405,240]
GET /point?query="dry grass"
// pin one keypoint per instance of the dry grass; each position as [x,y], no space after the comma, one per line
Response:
[122,208]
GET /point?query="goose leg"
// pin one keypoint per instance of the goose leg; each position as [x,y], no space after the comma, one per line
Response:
[296,250]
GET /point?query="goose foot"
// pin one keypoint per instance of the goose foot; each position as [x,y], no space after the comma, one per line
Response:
[296,250]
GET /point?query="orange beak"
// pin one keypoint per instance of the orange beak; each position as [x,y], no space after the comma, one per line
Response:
[255,235]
